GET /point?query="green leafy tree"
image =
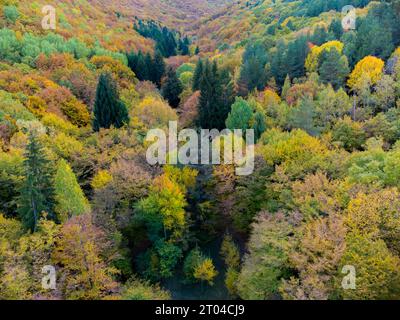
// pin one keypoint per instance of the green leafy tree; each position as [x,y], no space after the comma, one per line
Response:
[109,110]
[377,270]
[240,116]
[286,87]
[349,134]
[69,196]
[302,117]
[169,255]
[11,13]
[192,261]
[334,68]
[267,261]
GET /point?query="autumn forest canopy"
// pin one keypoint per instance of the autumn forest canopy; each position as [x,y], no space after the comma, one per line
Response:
[77,193]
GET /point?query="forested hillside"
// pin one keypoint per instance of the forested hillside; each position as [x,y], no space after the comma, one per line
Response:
[77,193]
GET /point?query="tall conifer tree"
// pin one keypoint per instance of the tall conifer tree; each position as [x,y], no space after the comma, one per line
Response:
[158,68]
[36,194]
[198,73]
[172,88]
[109,110]
[213,110]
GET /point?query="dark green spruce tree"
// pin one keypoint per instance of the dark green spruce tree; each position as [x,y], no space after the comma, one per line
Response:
[36,194]
[227,92]
[141,70]
[172,88]
[158,68]
[213,110]
[336,29]
[185,47]
[150,74]
[109,110]
[252,72]
[198,73]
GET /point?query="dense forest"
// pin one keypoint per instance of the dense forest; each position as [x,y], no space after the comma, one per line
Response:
[78,194]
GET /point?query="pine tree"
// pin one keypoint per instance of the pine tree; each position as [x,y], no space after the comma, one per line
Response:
[180,46]
[279,68]
[297,52]
[132,61]
[109,110]
[172,88]
[259,125]
[212,111]
[198,74]
[227,92]
[69,196]
[185,47]
[141,68]
[158,68]
[37,194]
[336,29]
[197,50]
[148,61]
[333,68]
[252,73]
[319,36]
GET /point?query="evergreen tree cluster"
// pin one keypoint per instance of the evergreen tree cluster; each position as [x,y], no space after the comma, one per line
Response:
[108,110]
[172,88]
[377,34]
[263,62]
[146,67]
[253,74]
[168,42]
[217,94]
[314,8]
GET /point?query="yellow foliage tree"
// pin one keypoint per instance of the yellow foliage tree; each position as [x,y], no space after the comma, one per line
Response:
[370,67]
[205,271]
[154,112]
[270,98]
[316,51]
[80,247]
[101,179]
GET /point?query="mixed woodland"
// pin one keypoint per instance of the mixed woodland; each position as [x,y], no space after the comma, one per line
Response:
[77,193]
